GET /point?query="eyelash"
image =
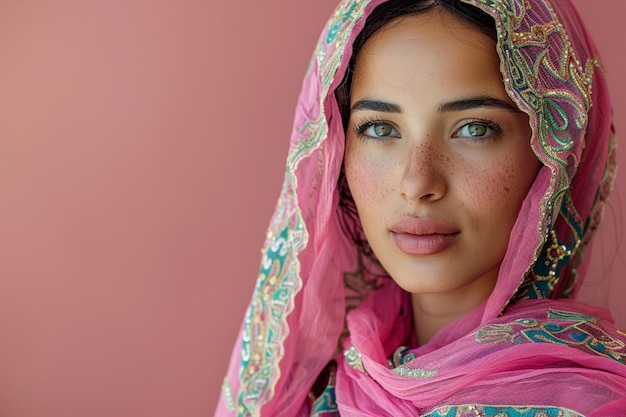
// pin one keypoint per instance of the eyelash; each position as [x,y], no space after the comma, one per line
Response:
[495,127]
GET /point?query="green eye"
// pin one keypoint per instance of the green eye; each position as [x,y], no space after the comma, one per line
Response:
[473,130]
[382,130]
[377,130]
[479,130]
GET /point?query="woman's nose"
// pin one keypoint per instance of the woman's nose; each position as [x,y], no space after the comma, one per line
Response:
[424,176]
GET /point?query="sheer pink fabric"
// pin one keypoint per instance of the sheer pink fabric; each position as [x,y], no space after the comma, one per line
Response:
[528,348]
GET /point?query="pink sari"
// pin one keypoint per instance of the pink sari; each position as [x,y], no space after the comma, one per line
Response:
[530,349]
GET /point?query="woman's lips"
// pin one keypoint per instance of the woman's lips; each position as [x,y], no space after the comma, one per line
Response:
[423,236]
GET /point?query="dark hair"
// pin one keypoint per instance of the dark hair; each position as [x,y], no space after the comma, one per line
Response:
[381,15]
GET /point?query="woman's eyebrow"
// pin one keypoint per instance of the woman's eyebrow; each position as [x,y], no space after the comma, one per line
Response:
[474,102]
[456,105]
[376,105]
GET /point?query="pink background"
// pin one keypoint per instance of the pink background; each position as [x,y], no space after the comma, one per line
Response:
[142,146]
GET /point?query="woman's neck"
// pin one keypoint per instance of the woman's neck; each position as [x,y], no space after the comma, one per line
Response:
[433,312]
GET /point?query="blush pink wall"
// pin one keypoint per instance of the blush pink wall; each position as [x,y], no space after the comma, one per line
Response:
[142,145]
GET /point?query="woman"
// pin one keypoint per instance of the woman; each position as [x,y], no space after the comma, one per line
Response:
[449,165]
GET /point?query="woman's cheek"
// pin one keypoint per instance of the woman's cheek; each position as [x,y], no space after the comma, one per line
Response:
[487,189]
[366,179]
[506,186]
[356,174]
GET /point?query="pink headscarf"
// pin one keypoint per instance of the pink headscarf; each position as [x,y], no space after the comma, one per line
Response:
[529,348]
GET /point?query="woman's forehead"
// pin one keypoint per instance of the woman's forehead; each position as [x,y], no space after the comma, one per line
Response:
[419,54]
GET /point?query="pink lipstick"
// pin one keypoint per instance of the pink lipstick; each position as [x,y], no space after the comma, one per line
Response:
[423,236]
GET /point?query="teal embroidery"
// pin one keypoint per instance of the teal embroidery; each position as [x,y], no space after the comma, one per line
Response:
[563,315]
[567,328]
[265,325]
[398,364]
[554,87]
[338,29]
[556,256]
[501,411]
[353,358]
[325,405]
[339,19]
[557,123]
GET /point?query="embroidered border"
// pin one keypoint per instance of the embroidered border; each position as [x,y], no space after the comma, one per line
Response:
[398,363]
[228,395]
[265,325]
[480,410]
[558,111]
[563,328]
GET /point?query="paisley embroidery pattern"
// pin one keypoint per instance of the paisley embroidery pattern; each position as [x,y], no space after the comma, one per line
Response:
[329,52]
[556,255]
[398,364]
[353,358]
[534,70]
[563,328]
[501,411]
[541,78]
[265,325]
[277,282]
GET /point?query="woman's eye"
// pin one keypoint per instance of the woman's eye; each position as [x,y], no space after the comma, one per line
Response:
[378,130]
[479,130]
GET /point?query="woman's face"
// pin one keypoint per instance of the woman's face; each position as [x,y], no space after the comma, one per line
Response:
[438,157]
